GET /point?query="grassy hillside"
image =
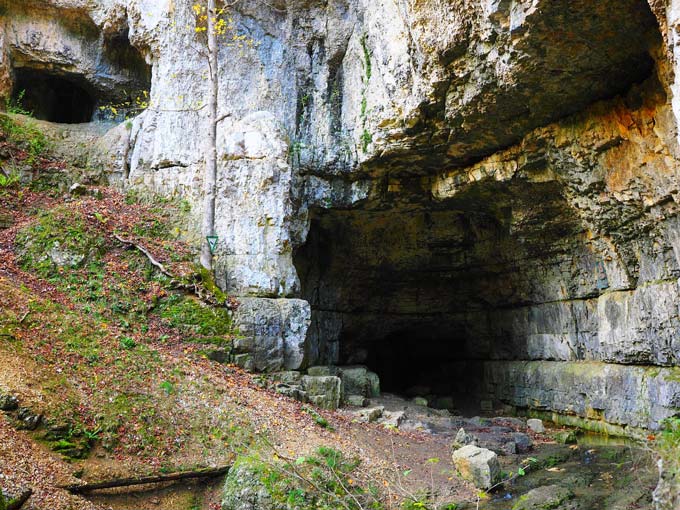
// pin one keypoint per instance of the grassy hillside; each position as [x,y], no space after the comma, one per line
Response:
[107,363]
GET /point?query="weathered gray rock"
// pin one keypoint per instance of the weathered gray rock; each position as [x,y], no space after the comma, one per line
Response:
[293,391]
[288,377]
[272,331]
[28,419]
[548,496]
[566,437]
[667,492]
[8,402]
[393,419]
[64,257]
[354,380]
[535,425]
[477,465]
[322,370]
[369,415]
[624,395]
[244,488]
[323,391]
[356,400]
[522,441]
[464,438]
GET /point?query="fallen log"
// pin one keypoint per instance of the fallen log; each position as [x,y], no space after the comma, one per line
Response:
[143,480]
[18,502]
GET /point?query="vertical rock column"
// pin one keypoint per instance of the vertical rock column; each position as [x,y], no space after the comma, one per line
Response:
[5,76]
[255,220]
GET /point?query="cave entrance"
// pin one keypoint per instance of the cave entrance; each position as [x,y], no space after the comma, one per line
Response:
[425,293]
[53,98]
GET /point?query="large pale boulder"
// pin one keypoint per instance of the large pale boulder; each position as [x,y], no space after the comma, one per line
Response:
[477,465]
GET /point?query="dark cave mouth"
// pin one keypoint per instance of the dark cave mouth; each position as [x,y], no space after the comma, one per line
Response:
[426,294]
[54,98]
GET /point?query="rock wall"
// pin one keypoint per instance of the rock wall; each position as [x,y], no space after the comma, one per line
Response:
[414,184]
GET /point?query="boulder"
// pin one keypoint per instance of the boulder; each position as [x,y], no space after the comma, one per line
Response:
[567,437]
[522,441]
[373,384]
[323,391]
[356,400]
[463,438]
[77,190]
[369,415]
[540,498]
[477,465]
[8,402]
[288,377]
[536,425]
[420,401]
[393,419]
[357,380]
[322,370]
[244,488]
[27,419]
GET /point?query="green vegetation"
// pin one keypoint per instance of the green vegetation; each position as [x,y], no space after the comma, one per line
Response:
[196,321]
[26,136]
[15,106]
[58,239]
[326,480]
[9,180]
[668,445]
[318,419]
[366,139]
[366,136]
[367,57]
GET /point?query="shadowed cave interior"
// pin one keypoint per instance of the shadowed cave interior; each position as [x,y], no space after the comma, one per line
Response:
[54,98]
[419,292]
[67,97]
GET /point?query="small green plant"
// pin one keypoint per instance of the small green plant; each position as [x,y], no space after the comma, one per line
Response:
[26,135]
[668,444]
[367,57]
[15,106]
[318,419]
[10,180]
[366,139]
[127,343]
[168,387]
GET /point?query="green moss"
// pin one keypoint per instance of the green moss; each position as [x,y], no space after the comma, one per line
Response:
[196,320]
[63,229]
[367,58]
[366,140]
[26,135]
[209,284]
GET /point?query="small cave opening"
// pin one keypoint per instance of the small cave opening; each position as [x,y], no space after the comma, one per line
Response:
[54,98]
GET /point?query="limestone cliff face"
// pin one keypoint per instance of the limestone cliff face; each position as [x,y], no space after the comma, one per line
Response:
[462,180]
